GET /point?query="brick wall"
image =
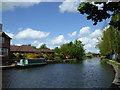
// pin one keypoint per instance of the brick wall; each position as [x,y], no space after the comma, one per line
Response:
[6,44]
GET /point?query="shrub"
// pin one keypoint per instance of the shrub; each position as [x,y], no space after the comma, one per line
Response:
[103,60]
[31,55]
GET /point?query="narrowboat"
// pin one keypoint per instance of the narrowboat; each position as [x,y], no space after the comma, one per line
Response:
[31,61]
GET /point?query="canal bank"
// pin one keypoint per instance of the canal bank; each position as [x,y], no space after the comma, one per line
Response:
[116,67]
[8,66]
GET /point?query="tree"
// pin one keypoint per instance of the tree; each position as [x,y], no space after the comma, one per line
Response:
[43,47]
[105,45]
[110,42]
[97,15]
[34,47]
[73,49]
[56,49]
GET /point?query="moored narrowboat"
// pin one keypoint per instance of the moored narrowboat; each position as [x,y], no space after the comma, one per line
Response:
[31,61]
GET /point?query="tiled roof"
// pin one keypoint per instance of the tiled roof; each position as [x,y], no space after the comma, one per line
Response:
[25,48]
[46,50]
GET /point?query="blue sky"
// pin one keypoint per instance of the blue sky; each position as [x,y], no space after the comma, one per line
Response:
[52,23]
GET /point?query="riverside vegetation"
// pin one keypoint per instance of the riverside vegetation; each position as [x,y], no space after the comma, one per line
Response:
[72,52]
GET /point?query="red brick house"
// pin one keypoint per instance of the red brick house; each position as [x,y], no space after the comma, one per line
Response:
[4,46]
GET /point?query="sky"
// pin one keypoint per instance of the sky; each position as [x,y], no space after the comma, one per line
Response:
[50,23]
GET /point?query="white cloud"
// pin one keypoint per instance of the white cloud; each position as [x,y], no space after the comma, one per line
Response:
[90,44]
[91,40]
[84,40]
[84,31]
[12,4]
[91,48]
[18,44]
[98,5]
[69,6]
[31,34]
[59,40]
[72,34]
[96,33]
[37,43]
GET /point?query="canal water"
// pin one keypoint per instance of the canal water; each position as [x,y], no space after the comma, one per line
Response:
[88,74]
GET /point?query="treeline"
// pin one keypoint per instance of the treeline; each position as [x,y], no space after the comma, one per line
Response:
[109,44]
[72,50]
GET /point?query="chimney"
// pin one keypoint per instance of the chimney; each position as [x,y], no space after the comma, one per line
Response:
[0,27]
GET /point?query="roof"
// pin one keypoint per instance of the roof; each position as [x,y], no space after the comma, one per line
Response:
[23,48]
[26,48]
[46,50]
[2,34]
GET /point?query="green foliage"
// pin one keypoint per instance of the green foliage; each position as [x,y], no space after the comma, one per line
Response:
[58,53]
[34,47]
[115,63]
[72,61]
[34,55]
[50,56]
[31,55]
[103,60]
[18,55]
[43,47]
[89,53]
[57,50]
[58,58]
[73,49]
[110,41]
[84,57]
[45,56]
[97,15]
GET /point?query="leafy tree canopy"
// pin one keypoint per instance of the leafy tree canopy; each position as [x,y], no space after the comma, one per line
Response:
[73,49]
[97,15]
[110,41]
[43,47]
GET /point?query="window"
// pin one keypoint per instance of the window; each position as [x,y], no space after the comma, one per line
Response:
[4,51]
[2,39]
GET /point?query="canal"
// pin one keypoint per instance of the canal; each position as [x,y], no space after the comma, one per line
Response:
[88,74]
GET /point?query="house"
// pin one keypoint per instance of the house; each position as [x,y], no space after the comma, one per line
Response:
[28,49]
[22,49]
[4,46]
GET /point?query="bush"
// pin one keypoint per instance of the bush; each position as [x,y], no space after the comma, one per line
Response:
[85,57]
[31,55]
[103,60]
[18,55]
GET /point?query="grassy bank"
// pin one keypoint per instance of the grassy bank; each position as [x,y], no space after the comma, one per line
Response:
[114,63]
[104,60]
[69,61]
